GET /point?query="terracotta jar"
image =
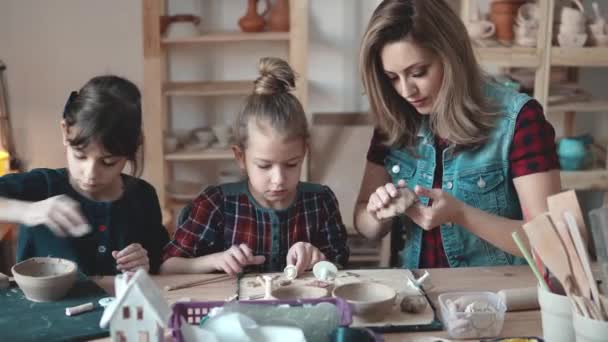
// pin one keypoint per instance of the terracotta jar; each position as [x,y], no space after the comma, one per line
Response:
[252,21]
[278,19]
[503,14]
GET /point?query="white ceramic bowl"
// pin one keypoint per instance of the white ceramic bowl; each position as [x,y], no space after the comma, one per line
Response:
[371,301]
[45,279]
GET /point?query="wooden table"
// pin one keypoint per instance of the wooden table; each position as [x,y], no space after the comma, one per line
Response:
[526,323]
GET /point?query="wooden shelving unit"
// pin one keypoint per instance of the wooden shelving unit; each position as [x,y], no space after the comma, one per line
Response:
[541,59]
[159,89]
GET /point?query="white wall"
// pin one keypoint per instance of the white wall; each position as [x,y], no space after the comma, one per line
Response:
[53,47]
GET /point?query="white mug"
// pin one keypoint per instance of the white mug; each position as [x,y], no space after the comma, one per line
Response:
[572,17]
[481,29]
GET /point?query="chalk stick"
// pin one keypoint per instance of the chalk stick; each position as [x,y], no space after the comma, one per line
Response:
[75,310]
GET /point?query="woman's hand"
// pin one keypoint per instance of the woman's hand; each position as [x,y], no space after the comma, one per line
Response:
[389,200]
[233,260]
[445,208]
[60,213]
[304,256]
[131,258]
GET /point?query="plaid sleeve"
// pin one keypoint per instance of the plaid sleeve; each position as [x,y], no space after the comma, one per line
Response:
[533,149]
[331,239]
[202,232]
[377,150]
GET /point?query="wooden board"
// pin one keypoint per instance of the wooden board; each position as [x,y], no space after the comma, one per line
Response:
[24,320]
[395,278]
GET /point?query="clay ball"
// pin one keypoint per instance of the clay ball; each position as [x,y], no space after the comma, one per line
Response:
[413,304]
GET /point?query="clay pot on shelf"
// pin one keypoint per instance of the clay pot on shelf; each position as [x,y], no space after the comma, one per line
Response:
[503,14]
[278,19]
[180,25]
[252,21]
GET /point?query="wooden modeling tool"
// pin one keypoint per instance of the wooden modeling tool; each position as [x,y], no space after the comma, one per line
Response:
[197,282]
[584,259]
[546,242]
[563,201]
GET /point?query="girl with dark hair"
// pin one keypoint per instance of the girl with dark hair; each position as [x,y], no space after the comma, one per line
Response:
[270,219]
[90,212]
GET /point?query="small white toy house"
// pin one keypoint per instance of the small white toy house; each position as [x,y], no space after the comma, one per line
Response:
[139,312]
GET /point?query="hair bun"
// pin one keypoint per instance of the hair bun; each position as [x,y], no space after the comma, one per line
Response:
[276,76]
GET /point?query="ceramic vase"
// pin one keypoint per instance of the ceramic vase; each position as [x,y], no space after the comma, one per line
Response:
[252,21]
[278,19]
[503,14]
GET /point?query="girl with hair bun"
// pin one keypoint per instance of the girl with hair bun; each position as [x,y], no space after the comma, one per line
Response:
[270,219]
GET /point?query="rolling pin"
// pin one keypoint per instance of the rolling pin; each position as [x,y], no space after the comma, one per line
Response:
[520,299]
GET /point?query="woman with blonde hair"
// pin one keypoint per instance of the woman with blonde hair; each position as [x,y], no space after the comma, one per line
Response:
[458,158]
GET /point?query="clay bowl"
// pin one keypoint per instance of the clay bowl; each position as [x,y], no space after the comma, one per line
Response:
[299,292]
[45,279]
[370,301]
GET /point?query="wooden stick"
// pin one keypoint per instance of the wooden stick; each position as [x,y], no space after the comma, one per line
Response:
[197,282]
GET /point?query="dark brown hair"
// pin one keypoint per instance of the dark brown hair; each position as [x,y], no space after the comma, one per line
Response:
[107,109]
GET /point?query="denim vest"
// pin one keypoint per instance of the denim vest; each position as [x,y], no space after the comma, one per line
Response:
[480,178]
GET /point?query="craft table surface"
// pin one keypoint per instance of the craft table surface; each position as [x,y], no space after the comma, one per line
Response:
[524,323]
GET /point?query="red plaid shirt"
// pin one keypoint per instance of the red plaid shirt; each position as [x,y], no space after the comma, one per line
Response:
[532,150]
[227,215]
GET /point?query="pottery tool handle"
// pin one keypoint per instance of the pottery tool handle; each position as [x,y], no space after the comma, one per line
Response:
[75,310]
[520,299]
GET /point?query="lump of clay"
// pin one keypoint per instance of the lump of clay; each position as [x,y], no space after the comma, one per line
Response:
[413,304]
[399,204]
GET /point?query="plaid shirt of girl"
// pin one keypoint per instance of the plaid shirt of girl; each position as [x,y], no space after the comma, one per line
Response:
[227,215]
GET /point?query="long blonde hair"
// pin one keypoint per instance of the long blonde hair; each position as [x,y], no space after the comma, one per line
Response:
[460,112]
[272,102]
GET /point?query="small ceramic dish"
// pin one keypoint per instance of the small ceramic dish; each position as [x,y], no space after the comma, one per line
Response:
[371,301]
[45,279]
[298,292]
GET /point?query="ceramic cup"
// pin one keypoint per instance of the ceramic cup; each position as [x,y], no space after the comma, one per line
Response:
[587,329]
[556,315]
[481,29]
[572,17]
[572,40]
[571,29]
[223,134]
[527,15]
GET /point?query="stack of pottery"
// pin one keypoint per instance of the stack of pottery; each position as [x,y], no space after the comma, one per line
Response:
[502,14]
[598,29]
[572,28]
[526,25]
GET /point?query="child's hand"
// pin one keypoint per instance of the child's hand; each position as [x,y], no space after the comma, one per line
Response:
[304,256]
[131,258]
[60,213]
[234,259]
[390,200]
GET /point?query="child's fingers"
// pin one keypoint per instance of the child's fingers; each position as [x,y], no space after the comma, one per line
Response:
[233,264]
[238,254]
[247,252]
[128,250]
[71,211]
[136,255]
[391,190]
[402,183]
[383,195]
[257,260]
[134,264]
[303,259]
[316,257]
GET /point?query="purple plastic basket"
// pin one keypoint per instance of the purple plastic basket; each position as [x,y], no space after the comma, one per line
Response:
[193,312]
